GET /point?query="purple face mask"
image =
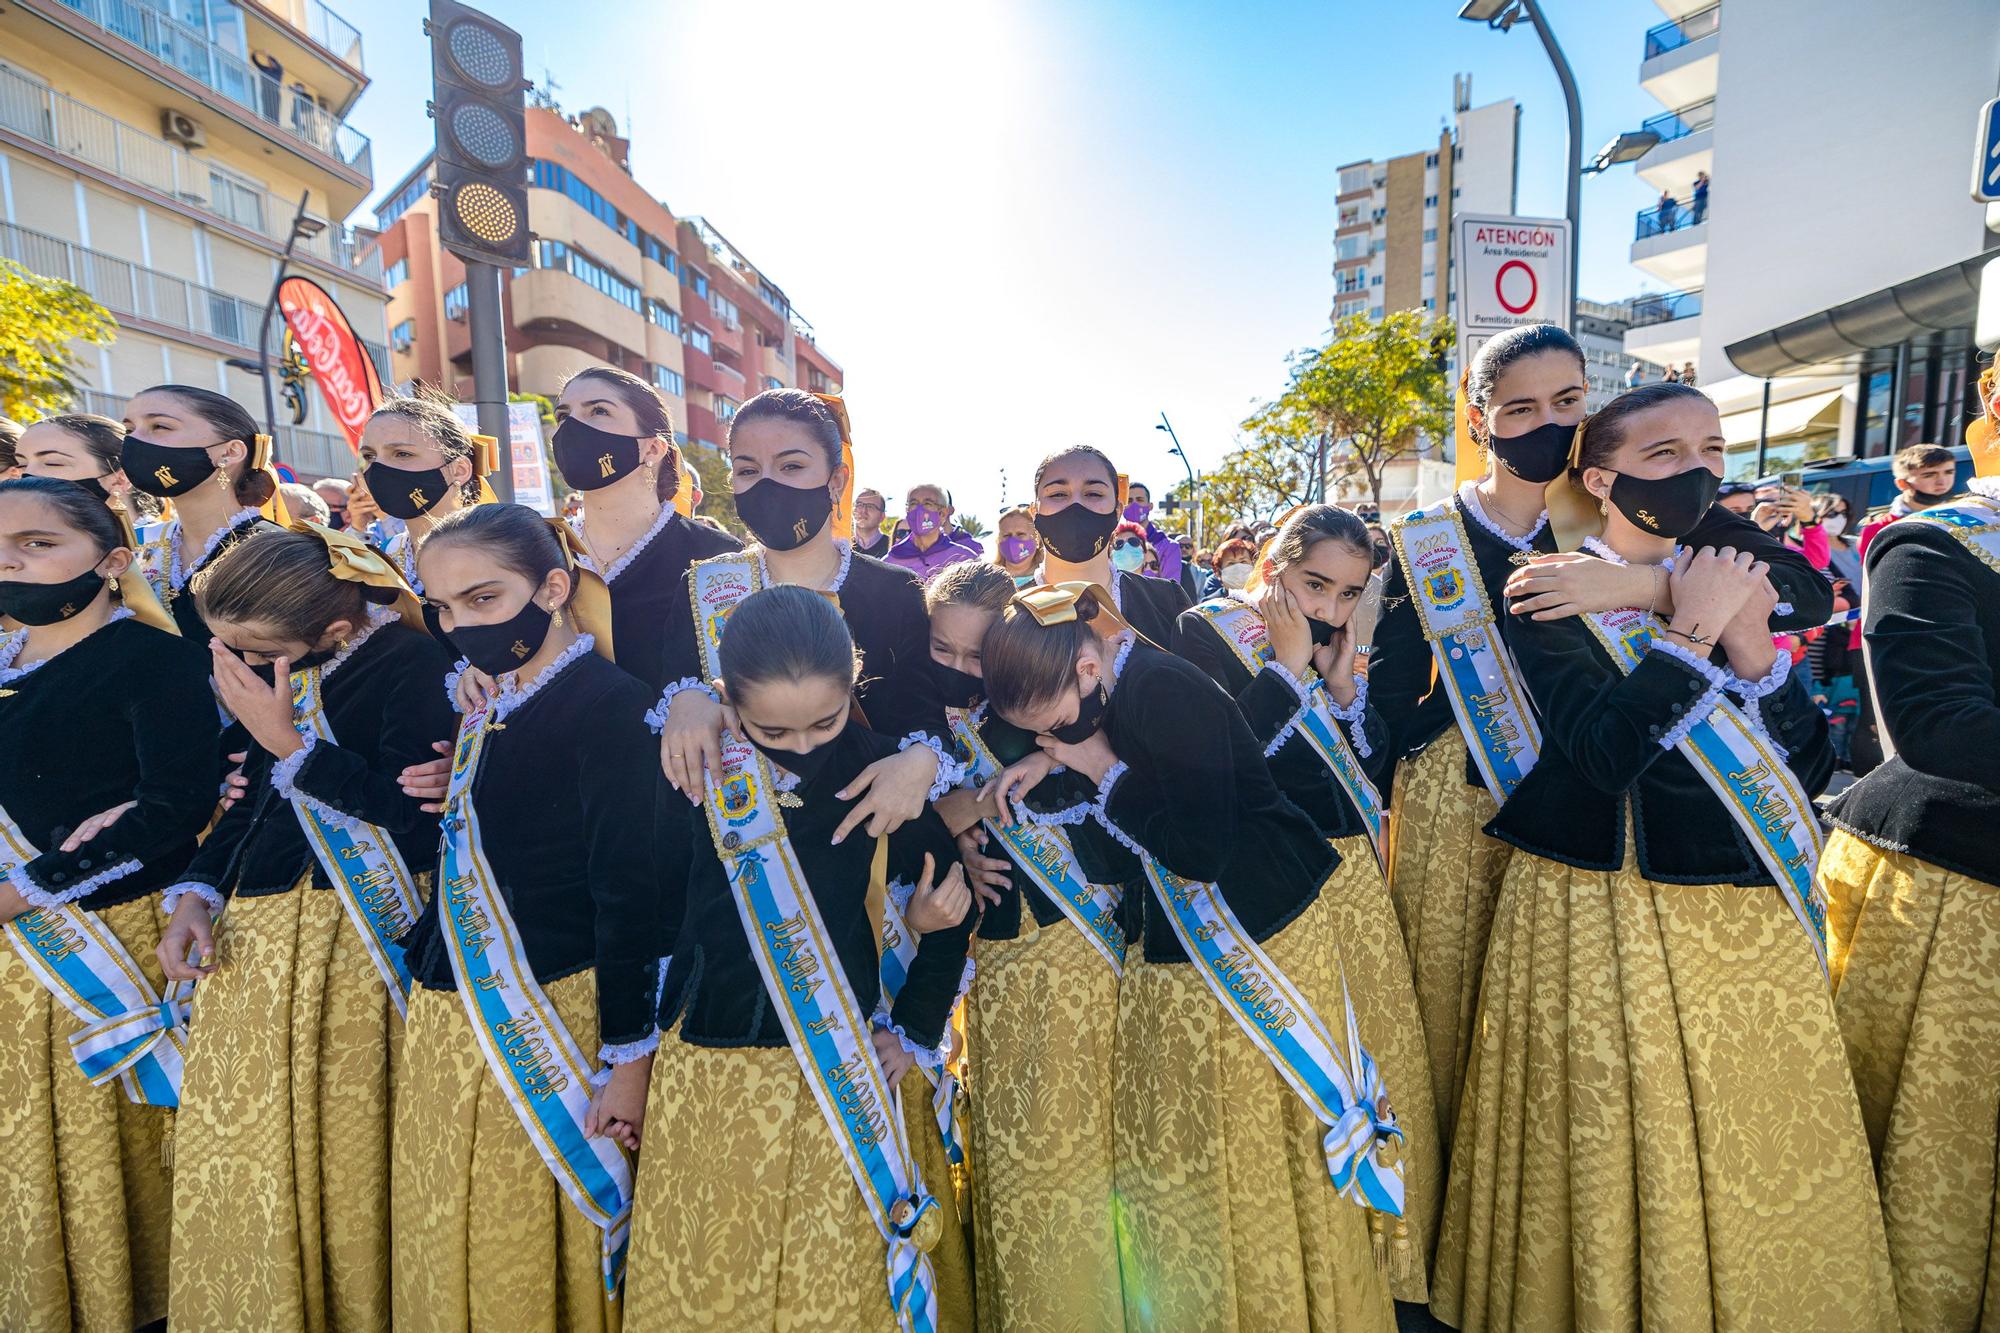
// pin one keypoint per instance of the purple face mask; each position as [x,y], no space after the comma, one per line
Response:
[1016,549]
[1138,511]
[923,519]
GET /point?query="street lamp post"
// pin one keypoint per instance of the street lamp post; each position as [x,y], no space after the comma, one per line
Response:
[303,228]
[1193,498]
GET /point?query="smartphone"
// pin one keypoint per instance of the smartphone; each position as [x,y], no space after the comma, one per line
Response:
[1792,481]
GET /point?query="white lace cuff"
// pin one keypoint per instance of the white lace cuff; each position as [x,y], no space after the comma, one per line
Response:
[626,1052]
[900,893]
[1754,691]
[1282,672]
[1103,815]
[1354,715]
[35,894]
[1074,814]
[285,777]
[1698,710]
[657,718]
[950,772]
[930,1057]
[452,677]
[208,893]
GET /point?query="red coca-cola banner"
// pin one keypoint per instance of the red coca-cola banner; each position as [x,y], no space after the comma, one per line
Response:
[340,364]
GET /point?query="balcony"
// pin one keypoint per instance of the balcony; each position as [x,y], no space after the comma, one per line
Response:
[264,101]
[334,34]
[1665,328]
[135,158]
[1670,241]
[1681,55]
[1664,307]
[1687,146]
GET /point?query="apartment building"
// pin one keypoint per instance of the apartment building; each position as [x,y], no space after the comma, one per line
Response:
[154,152]
[615,277]
[1600,329]
[1828,291]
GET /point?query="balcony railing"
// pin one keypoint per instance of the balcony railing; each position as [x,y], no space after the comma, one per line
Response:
[36,112]
[1659,307]
[1676,33]
[189,51]
[1671,215]
[334,33]
[125,288]
[1671,125]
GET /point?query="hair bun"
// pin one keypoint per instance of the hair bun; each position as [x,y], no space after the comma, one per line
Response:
[1087,607]
[381,596]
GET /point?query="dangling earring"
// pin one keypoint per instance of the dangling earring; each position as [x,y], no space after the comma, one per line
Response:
[555,618]
[114,585]
[222,478]
[653,474]
[1604,505]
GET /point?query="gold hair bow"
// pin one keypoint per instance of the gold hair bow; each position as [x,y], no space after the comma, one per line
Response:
[590,603]
[843,507]
[260,452]
[485,455]
[353,560]
[1056,604]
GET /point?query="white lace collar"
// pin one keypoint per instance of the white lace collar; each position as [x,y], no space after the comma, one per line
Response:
[378,616]
[846,548]
[12,644]
[177,575]
[1127,642]
[1468,495]
[610,573]
[512,696]
[1598,547]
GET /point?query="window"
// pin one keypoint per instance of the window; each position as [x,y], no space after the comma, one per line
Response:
[1375,281]
[569,259]
[773,382]
[696,279]
[1350,247]
[662,314]
[1429,304]
[1353,180]
[396,274]
[419,186]
[656,250]
[1430,233]
[725,406]
[404,336]
[666,380]
[725,310]
[455,302]
[1430,201]
[697,338]
[773,297]
[1430,159]
[555,176]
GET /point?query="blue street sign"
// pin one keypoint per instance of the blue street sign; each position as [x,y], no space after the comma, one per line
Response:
[1986,165]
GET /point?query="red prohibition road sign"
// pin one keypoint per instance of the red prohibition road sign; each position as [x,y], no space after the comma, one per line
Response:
[1500,287]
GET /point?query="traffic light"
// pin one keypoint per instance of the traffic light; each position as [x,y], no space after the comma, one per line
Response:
[479,103]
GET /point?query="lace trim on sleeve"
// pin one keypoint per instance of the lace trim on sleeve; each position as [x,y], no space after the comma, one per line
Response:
[208,893]
[285,777]
[950,772]
[624,1053]
[930,1057]
[1074,814]
[1699,710]
[451,679]
[1752,692]
[31,892]
[1354,716]
[657,717]
[1103,815]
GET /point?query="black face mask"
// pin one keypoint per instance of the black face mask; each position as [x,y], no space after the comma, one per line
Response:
[1322,632]
[50,603]
[956,689]
[783,517]
[1076,533]
[1089,718]
[405,493]
[1381,554]
[163,470]
[591,458]
[95,485]
[264,671]
[1540,456]
[807,765]
[498,649]
[1666,506]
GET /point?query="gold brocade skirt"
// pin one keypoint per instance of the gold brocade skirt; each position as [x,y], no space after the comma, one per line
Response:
[1658,1128]
[84,1199]
[1377,972]
[1041,1022]
[1916,970]
[1227,1218]
[747,1216]
[485,1237]
[281,1154]
[1444,876]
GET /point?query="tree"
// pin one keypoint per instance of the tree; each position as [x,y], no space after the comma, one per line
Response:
[39,316]
[1374,390]
[1254,483]
[972,527]
[711,469]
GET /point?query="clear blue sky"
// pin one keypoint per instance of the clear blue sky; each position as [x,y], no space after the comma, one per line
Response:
[1025,223]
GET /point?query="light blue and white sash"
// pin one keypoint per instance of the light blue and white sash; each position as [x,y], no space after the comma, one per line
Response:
[1244,631]
[899,950]
[129,1033]
[527,1048]
[1339,1084]
[1747,773]
[1044,852]
[368,872]
[1474,666]
[823,1022]
[1975,522]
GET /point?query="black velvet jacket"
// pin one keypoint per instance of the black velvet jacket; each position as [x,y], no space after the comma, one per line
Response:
[1932,624]
[713,986]
[181,604]
[1270,704]
[646,595]
[568,794]
[1602,753]
[386,705]
[1400,667]
[124,715]
[1197,794]
[1149,605]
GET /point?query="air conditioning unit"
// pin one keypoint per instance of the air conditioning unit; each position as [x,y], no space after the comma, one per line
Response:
[177,127]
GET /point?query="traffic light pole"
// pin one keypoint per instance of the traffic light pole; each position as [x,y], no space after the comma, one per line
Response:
[489,368]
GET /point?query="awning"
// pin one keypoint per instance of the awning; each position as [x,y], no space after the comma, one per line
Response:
[1794,416]
[1945,300]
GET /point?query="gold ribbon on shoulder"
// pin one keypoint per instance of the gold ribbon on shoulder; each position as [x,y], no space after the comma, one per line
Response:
[590,604]
[1573,512]
[353,560]
[843,508]
[135,590]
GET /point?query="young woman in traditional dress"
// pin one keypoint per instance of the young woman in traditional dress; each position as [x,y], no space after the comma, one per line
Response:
[1041,1021]
[1913,911]
[536,961]
[785,454]
[108,729]
[1658,1128]
[90,451]
[1076,511]
[421,465]
[1228,1217]
[754,1208]
[1284,651]
[286,922]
